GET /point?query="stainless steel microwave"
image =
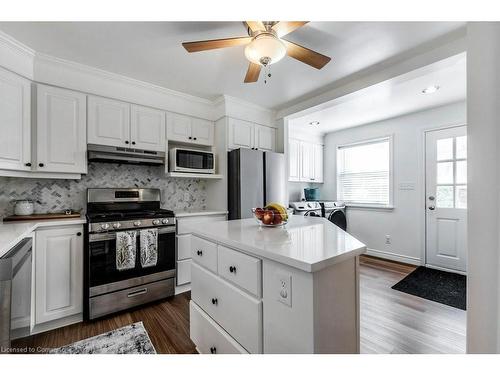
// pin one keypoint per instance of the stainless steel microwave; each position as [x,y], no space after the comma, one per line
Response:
[191,161]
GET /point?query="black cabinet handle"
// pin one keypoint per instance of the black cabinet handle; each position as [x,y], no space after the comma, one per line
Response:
[40,164]
[213,350]
[199,253]
[126,142]
[133,142]
[79,234]
[190,137]
[232,269]
[194,138]
[214,301]
[28,164]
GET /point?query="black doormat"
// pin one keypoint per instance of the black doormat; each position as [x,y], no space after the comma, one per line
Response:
[439,286]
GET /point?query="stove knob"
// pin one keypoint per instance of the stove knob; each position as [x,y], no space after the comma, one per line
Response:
[137,223]
[164,221]
[156,222]
[105,226]
[116,225]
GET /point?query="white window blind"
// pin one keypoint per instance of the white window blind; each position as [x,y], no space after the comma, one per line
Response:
[363,173]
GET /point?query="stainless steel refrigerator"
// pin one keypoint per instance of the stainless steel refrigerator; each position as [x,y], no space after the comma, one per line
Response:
[255,178]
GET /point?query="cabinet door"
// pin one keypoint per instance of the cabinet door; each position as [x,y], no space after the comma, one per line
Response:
[61,139]
[179,128]
[58,273]
[265,138]
[109,122]
[306,161]
[15,126]
[241,134]
[147,128]
[294,160]
[318,162]
[202,132]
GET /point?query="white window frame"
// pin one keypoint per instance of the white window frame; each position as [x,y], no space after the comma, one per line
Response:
[389,138]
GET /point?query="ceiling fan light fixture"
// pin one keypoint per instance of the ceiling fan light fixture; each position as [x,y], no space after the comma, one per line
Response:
[265,49]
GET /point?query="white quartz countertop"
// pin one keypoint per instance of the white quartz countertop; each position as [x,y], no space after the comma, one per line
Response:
[307,243]
[185,213]
[13,232]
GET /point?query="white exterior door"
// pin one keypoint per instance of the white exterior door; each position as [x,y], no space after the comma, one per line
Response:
[446,198]
[109,122]
[58,273]
[147,128]
[61,139]
[241,134]
[15,125]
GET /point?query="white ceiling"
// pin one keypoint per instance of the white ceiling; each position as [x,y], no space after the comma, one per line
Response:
[152,52]
[395,97]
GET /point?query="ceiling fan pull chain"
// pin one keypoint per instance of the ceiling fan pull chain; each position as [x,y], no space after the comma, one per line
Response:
[267,73]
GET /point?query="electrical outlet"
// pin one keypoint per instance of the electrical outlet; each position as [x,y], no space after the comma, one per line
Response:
[284,289]
[388,239]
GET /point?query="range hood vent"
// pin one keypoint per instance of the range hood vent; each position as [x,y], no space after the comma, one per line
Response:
[122,155]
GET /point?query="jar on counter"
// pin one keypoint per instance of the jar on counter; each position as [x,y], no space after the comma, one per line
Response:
[24,207]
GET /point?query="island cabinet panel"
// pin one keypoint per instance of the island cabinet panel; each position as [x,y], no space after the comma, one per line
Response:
[240,269]
[239,314]
[209,337]
[204,253]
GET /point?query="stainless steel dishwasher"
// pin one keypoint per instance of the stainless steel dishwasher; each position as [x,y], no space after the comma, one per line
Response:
[15,293]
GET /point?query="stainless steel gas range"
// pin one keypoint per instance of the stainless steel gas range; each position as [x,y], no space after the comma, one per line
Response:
[114,214]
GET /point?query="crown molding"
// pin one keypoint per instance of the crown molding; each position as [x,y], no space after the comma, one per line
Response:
[16,56]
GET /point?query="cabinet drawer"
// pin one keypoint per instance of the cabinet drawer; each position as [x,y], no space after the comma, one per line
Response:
[240,269]
[184,224]
[183,272]
[208,336]
[204,253]
[234,310]
[183,246]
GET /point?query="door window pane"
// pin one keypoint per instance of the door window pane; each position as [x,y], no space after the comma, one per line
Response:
[445,173]
[445,149]
[461,147]
[444,196]
[461,196]
[461,177]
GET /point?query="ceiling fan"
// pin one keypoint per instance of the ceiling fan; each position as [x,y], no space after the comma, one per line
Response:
[265,46]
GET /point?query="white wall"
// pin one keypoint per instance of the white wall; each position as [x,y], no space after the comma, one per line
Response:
[405,222]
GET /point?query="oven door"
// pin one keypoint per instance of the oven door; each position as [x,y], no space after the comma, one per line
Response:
[103,276]
[194,161]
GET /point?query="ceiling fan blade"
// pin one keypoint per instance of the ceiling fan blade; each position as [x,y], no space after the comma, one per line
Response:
[256,25]
[204,45]
[253,73]
[306,55]
[286,27]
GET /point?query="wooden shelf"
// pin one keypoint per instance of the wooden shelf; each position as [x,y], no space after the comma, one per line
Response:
[194,175]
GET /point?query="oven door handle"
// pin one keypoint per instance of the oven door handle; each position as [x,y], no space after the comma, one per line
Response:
[95,237]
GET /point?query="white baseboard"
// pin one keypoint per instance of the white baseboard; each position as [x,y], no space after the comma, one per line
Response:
[182,288]
[446,269]
[393,256]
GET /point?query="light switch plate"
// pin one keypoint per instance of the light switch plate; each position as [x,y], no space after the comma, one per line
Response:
[284,288]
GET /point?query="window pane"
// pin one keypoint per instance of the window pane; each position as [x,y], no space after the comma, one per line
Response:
[461,172]
[445,173]
[445,149]
[461,196]
[444,196]
[461,147]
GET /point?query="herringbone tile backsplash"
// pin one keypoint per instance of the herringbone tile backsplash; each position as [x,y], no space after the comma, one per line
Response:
[58,195]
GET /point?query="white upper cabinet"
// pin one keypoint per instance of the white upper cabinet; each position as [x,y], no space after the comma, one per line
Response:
[247,134]
[186,129]
[61,139]
[108,122]
[15,122]
[147,128]
[305,161]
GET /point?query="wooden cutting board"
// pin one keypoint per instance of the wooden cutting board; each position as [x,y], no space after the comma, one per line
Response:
[49,216]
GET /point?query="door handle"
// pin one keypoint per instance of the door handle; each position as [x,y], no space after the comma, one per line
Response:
[432,208]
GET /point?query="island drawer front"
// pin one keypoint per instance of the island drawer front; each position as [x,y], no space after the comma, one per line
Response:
[185,224]
[234,310]
[204,253]
[240,269]
[208,336]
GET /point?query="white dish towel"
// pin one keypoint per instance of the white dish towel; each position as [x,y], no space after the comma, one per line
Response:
[126,249]
[149,247]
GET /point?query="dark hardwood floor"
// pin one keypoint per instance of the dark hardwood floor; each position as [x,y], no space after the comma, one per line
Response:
[391,321]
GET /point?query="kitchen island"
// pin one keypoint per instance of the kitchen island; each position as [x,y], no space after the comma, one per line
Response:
[290,289]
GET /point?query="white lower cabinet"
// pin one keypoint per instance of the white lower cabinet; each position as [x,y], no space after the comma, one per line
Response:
[58,273]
